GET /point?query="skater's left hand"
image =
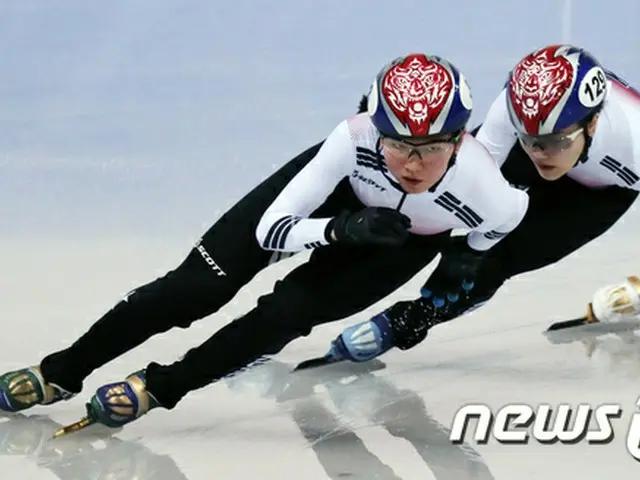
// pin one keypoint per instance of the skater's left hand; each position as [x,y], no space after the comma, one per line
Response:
[455,274]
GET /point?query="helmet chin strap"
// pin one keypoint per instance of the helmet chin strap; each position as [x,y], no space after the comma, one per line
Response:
[588,139]
[452,162]
[584,155]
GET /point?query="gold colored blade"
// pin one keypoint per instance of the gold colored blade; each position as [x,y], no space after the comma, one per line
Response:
[74,427]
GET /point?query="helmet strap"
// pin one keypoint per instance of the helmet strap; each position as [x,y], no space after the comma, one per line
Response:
[452,161]
[588,139]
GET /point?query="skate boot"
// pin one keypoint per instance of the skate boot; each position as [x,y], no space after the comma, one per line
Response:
[362,342]
[358,343]
[25,388]
[119,403]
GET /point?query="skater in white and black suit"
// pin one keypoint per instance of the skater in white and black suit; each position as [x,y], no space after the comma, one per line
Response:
[376,202]
[567,131]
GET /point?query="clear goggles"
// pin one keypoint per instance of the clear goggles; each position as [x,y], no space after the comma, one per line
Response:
[552,143]
[424,149]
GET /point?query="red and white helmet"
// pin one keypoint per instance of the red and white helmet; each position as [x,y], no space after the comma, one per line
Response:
[554,87]
[419,95]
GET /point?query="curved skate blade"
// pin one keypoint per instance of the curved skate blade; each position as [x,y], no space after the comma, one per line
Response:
[315,362]
[588,330]
[74,427]
[576,322]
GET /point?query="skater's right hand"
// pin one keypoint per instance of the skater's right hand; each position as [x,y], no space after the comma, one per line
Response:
[372,225]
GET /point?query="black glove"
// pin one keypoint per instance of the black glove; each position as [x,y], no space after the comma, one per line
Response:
[455,274]
[372,225]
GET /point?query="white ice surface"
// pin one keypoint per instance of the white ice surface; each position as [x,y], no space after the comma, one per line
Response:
[494,356]
[127,128]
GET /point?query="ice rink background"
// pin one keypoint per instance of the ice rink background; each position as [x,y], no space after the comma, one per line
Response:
[128,128]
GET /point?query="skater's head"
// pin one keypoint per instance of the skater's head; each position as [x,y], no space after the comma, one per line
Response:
[420,104]
[554,97]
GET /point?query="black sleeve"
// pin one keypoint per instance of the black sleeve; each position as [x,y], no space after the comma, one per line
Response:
[562,217]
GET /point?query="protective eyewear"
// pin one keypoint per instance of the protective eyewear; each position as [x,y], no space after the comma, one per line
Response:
[552,143]
[426,149]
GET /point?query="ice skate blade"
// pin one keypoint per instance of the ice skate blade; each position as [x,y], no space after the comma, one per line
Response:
[74,427]
[314,363]
[584,331]
[575,322]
